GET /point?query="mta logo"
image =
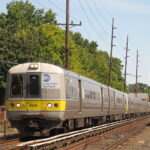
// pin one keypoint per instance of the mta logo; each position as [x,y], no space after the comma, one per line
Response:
[46,77]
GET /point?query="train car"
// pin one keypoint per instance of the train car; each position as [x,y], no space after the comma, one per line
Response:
[43,97]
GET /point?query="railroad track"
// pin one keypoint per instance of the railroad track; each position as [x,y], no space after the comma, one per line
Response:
[104,144]
[118,142]
[117,137]
[77,139]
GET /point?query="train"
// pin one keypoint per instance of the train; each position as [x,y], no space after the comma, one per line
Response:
[43,98]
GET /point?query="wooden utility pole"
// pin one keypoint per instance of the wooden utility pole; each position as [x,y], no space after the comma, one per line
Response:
[67,34]
[67,26]
[137,62]
[126,59]
[111,50]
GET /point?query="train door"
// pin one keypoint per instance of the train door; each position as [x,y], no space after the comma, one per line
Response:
[114,95]
[102,99]
[80,96]
[109,100]
[105,101]
[126,103]
[123,103]
[34,102]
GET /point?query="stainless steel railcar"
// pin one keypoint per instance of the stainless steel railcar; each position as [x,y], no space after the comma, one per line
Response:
[42,97]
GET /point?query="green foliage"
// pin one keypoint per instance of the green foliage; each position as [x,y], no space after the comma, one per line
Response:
[94,63]
[141,88]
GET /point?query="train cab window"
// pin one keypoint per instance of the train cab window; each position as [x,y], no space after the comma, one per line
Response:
[16,89]
[33,86]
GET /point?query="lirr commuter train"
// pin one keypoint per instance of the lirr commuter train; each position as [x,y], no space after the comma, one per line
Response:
[43,97]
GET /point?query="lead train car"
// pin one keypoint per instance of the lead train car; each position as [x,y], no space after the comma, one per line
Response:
[42,97]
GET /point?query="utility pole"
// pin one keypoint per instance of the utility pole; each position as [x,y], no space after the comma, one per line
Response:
[111,50]
[126,59]
[67,33]
[137,62]
[67,25]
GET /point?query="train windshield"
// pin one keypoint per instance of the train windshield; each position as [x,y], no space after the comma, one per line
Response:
[33,86]
[16,89]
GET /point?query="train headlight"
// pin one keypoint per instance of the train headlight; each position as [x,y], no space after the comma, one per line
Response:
[33,66]
[49,105]
[18,105]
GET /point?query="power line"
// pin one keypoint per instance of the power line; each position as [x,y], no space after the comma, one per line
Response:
[120,43]
[101,13]
[87,31]
[70,16]
[61,10]
[107,22]
[92,12]
[91,23]
[56,6]
[84,27]
[41,4]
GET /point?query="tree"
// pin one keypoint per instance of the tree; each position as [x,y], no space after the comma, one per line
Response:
[141,88]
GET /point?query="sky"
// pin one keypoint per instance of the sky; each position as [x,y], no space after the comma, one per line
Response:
[131,17]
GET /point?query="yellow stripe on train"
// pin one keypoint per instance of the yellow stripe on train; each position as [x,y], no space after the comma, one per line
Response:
[35,105]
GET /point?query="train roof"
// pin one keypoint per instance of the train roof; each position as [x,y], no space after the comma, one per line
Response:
[36,67]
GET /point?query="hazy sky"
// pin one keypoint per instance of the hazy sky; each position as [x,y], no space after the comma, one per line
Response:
[131,17]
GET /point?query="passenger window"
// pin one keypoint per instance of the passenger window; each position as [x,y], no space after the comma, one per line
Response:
[16,89]
[71,87]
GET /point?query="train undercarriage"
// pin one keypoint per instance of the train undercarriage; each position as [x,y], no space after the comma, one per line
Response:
[36,127]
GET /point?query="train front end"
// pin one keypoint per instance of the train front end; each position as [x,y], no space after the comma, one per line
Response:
[35,99]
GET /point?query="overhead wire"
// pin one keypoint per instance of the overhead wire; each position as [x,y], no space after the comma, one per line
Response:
[92,12]
[101,14]
[120,43]
[91,23]
[63,11]
[41,4]
[52,3]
